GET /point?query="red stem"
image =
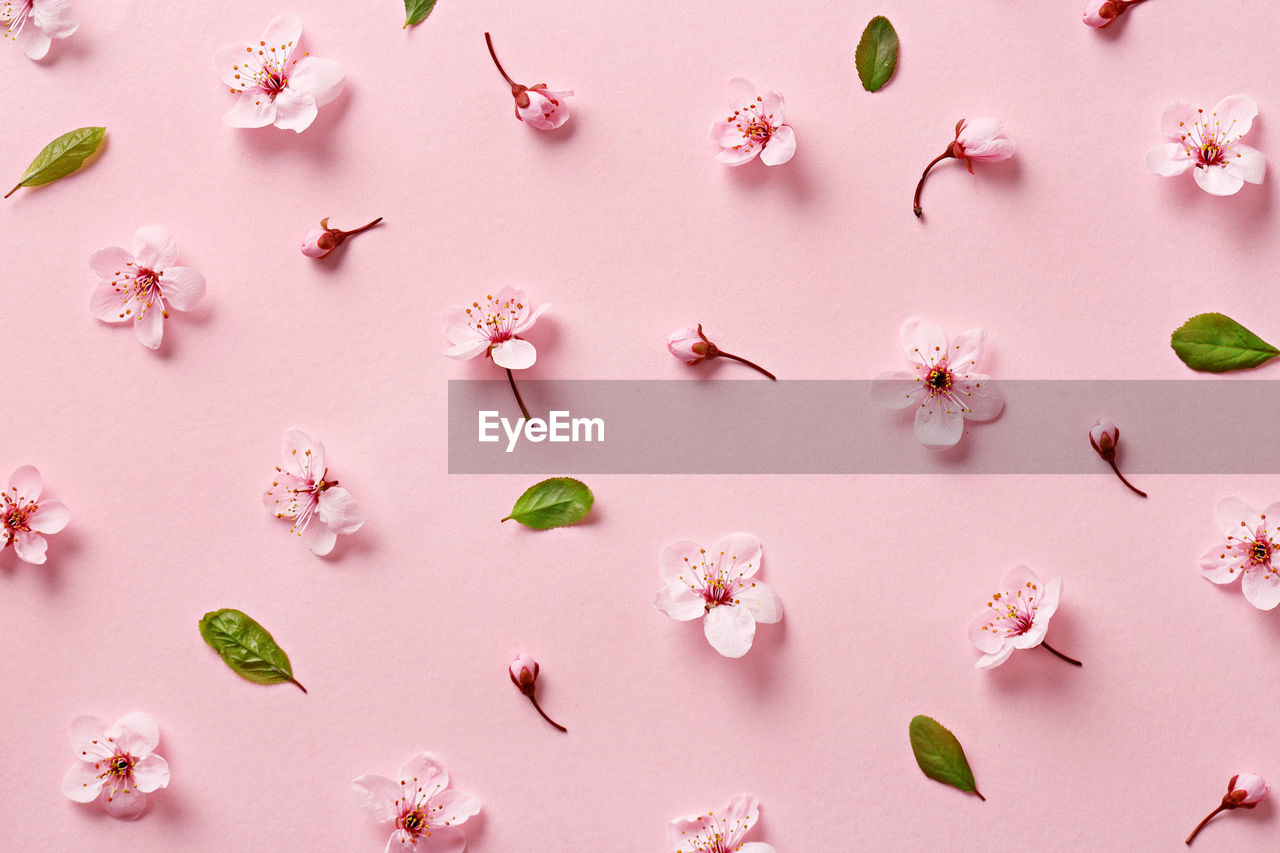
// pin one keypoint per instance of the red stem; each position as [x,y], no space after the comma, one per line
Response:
[544,714]
[362,228]
[512,83]
[741,360]
[523,410]
[1050,648]
[1112,460]
[920,186]
[1200,825]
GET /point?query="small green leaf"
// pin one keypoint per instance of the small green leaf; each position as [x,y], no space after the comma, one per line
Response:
[247,648]
[61,157]
[877,55]
[1216,343]
[940,755]
[557,502]
[416,11]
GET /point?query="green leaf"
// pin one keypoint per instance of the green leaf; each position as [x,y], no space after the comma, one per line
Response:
[61,157]
[557,502]
[877,55]
[416,11]
[247,648]
[1216,343]
[940,755]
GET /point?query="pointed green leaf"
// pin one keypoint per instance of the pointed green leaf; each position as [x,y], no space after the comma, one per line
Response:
[61,157]
[877,55]
[247,648]
[940,755]
[553,503]
[416,11]
[1216,343]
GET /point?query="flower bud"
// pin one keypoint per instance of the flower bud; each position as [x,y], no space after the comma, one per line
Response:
[524,672]
[690,345]
[1246,790]
[542,108]
[319,242]
[1100,13]
[1104,435]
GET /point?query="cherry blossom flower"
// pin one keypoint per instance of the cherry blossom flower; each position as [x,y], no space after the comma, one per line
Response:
[494,329]
[524,675]
[1244,791]
[319,508]
[426,815]
[1210,144]
[273,87]
[1100,13]
[143,285]
[1104,436]
[319,242]
[1249,549]
[693,347]
[722,832]
[537,106]
[719,586]
[981,140]
[117,766]
[943,384]
[34,23]
[756,127]
[26,517]
[1017,617]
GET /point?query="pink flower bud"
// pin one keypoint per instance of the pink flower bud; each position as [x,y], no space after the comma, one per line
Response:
[1246,790]
[541,108]
[689,345]
[1104,435]
[524,672]
[318,243]
[1099,13]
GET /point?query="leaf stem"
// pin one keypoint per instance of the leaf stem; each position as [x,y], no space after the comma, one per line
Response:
[1113,461]
[979,793]
[512,83]
[1200,825]
[544,713]
[523,410]
[1050,648]
[920,186]
[297,684]
[742,360]
[12,191]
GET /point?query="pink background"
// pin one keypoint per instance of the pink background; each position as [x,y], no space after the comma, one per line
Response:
[1077,261]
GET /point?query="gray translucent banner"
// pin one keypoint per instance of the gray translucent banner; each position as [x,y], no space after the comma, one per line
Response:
[1213,426]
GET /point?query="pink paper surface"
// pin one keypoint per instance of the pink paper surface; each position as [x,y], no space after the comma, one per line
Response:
[1077,261]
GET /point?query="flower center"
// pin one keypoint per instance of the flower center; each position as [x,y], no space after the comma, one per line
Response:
[415,821]
[120,765]
[16,520]
[1208,141]
[939,379]
[718,591]
[1259,552]
[274,83]
[15,18]
[496,319]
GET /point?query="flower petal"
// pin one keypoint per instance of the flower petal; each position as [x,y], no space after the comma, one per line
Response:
[1236,518]
[991,661]
[123,804]
[740,92]
[966,351]
[1262,588]
[108,302]
[774,109]
[302,455]
[726,134]
[759,598]
[55,18]
[939,423]
[896,389]
[453,807]
[319,537]
[981,634]
[757,847]
[444,839]
[339,510]
[377,796]
[1234,114]
[182,287]
[155,248]
[1168,159]
[322,79]
[283,33]
[680,602]
[1177,118]
[730,630]
[136,733]
[1216,180]
[25,484]
[981,396]
[82,782]
[252,109]
[33,42]
[426,772]
[50,517]
[528,316]
[739,554]
[730,157]
[1221,565]
[295,111]
[236,65]
[1047,603]
[30,547]
[468,349]
[514,354]
[111,262]
[1271,517]
[780,148]
[88,738]
[924,343]
[1249,164]
[151,773]
[677,560]
[149,327]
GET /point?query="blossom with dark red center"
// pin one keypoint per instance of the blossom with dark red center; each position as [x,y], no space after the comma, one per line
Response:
[1248,551]
[1017,617]
[118,765]
[141,286]
[424,811]
[1209,144]
[25,517]
[756,127]
[303,492]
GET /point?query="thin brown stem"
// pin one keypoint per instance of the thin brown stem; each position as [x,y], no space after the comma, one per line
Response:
[363,227]
[512,83]
[523,409]
[920,186]
[1200,825]
[544,714]
[1121,476]
[297,684]
[742,360]
[1071,661]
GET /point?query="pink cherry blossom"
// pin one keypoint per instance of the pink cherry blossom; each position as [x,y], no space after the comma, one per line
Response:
[757,126]
[720,586]
[319,242]
[719,831]
[1244,791]
[493,329]
[302,491]
[981,140]
[1248,551]
[26,517]
[1100,13]
[273,87]
[117,766]
[1017,617]
[943,385]
[425,813]
[143,285]
[34,23]
[537,106]
[1210,144]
